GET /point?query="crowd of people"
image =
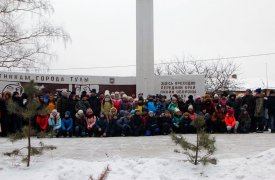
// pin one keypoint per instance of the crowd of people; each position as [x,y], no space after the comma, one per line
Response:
[116,114]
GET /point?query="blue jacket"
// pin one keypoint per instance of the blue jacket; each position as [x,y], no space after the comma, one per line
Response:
[67,124]
[123,122]
[151,106]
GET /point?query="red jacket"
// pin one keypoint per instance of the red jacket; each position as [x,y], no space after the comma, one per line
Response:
[230,120]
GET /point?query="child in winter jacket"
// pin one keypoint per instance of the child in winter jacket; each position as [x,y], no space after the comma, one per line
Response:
[67,125]
[177,120]
[165,122]
[186,126]
[124,124]
[112,129]
[151,124]
[55,122]
[230,121]
[80,124]
[136,123]
[101,126]
[91,121]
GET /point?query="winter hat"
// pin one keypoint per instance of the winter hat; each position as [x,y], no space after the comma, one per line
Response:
[93,91]
[186,114]
[64,92]
[174,98]
[151,112]
[115,114]
[132,112]
[125,96]
[258,90]
[67,113]
[113,109]
[230,111]
[80,112]
[249,91]
[177,110]
[126,113]
[54,111]
[198,97]
[190,107]
[89,110]
[190,97]
[216,96]
[240,96]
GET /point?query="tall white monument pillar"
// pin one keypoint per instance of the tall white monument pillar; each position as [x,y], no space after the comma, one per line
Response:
[145,47]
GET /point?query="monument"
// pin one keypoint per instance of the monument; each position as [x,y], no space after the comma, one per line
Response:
[144,47]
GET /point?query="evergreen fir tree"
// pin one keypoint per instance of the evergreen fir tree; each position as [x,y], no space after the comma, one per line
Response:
[204,146]
[27,113]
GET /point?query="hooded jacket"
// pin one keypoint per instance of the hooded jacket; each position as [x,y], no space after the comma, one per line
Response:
[55,123]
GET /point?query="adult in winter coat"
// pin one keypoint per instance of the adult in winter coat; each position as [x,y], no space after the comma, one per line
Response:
[82,104]
[189,102]
[217,120]
[230,121]
[173,105]
[208,106]
[125,105]
[106,105]
[259,110]
[117,101]
[16,122]
[271,110]
[198,105]
[62,104]
[80,125]
[4,115]
[95,102]
[101,126]
[236,105]
[55,122]
[245,120]
[67,125]
[151,124]
[161,105]
[72,103]
[51,104]
[136,123]
[91,121]
[150,104]
[249,101]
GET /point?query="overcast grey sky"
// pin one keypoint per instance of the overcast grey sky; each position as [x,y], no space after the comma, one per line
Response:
[103,34]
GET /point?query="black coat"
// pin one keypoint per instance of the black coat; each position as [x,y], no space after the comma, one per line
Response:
[95,104]
[136,121]
[270,105]
[250,102]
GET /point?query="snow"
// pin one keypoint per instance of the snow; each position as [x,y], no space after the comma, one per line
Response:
[250,156]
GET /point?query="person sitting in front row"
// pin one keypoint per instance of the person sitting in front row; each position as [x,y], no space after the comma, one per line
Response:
[67,125]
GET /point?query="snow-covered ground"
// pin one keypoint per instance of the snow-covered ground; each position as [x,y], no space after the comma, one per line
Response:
[250,156]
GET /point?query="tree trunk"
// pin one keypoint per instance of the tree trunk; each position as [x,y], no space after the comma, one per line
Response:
[197,149]
[29,143]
